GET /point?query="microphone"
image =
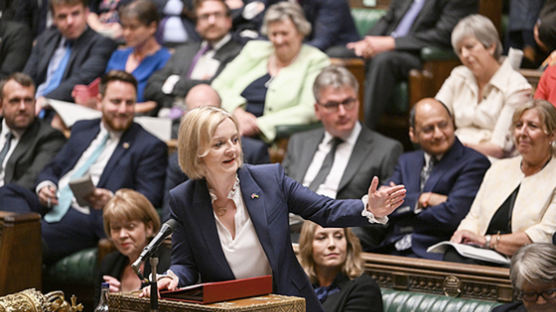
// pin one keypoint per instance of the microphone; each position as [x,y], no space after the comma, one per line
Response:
[166,229]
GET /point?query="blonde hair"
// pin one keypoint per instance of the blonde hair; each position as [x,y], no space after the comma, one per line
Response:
[286,10]
[130,205]
[547,115]
[196,131]
[352,267]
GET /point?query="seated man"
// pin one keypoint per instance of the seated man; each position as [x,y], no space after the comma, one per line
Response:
[27,144]
[70,53]
[441,180]
[254,151]
[340,159]
[116,153]
[196,62]
[392,46]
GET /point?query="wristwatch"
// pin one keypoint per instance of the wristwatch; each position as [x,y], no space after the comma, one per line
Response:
[487,241]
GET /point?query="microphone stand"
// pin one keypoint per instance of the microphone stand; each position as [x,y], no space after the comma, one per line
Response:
[154,285]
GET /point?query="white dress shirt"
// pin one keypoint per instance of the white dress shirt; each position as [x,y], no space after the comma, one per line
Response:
[96,169]
[15,139]
[207,65]
[244,252]
[343,153]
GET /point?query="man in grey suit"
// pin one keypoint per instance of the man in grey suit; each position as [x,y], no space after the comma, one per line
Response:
[196,62]
[339,159]
[27,144]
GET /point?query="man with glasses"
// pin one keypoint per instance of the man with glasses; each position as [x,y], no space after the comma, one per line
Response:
[195,62]
[441,179]
[340,159]
[533,274]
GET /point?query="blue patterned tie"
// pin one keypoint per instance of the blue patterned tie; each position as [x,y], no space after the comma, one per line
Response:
[5,149]
[56,77]
[65,195]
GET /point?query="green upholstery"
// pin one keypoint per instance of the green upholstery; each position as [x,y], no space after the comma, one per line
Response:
[76,269]
[400,99]
[437,54]
[404,301]
[366,18]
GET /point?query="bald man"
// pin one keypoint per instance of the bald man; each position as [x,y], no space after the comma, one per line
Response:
[441,179]
[254,151]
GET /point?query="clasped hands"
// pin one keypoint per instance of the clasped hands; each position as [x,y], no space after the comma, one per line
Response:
[98,198]
[384,200]
[372,45]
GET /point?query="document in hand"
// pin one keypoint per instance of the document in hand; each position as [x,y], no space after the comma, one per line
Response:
[221,291]
[81,188]
[470,251]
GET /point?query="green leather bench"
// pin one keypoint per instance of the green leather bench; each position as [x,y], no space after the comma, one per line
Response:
[404,301]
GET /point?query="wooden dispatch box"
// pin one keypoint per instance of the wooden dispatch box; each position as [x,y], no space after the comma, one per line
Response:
[130,302]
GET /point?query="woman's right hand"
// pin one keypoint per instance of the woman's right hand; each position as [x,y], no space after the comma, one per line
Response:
[468,237]
[169,281]
[113,282]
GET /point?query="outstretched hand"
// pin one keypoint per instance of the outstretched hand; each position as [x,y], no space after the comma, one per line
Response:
[385,200]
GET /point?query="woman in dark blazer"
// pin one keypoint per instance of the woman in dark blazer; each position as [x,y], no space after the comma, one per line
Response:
[331,257]
[130,221]
[233,219]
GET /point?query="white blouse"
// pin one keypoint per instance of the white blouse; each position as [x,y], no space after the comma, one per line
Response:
[489,118]
[244,253]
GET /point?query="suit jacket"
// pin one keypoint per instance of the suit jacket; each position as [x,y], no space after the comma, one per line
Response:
[457,175]
[179,64]
[372,155]
[289,99]
[37,146]
[359,294]
[89,55]
[534,209]
[138,162]
[16,41]
[433,25]
[254,152]
[277,196]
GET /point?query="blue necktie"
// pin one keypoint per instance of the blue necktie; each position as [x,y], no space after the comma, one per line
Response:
[407,20]
[65,195]
[5,149]
[56,77]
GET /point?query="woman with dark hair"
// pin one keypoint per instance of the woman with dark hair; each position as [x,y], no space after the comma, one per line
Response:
[142,55]
[331,257]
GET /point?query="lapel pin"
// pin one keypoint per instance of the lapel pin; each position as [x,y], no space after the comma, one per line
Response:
[254,196]
[125,145]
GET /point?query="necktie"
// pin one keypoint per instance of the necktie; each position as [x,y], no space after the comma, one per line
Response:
[56,77]
[326,165]
[65,195]
[407,20]
[426,172]
[5,150]
[200,53]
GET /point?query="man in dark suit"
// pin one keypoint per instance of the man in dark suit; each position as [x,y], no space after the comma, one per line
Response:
[254,151]
[362,154]
[70,53]
[196,62]
[441,180]
[392,46]
[342,170]
[115,152]
[27,144]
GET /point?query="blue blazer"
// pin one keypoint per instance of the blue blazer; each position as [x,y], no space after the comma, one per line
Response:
[196,248]
[458,175]
[138,162]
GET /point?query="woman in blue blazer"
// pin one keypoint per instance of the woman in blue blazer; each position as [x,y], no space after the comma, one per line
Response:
[233,219]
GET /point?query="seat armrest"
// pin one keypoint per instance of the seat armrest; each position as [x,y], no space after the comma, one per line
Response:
[431,53]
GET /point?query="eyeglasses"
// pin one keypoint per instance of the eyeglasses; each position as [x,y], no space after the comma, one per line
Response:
[548,295]
[333,106]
